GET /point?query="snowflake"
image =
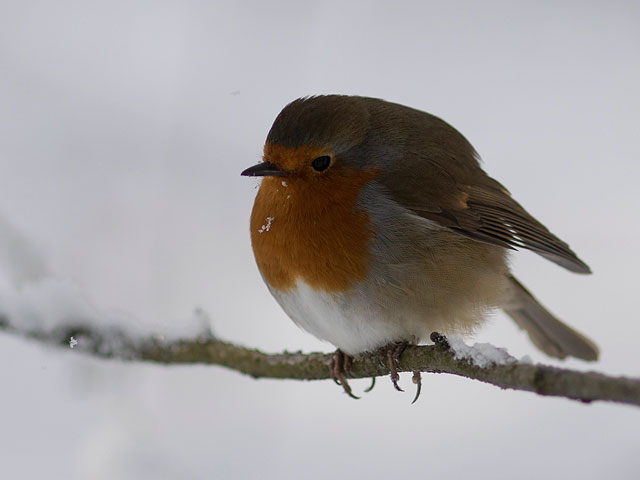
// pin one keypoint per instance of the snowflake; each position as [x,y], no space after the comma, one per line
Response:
[266,226]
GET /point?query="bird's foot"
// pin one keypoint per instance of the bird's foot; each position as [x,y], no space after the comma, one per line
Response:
[339,366]
[393,352]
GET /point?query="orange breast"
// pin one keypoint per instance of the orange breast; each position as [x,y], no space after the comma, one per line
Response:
[310,228]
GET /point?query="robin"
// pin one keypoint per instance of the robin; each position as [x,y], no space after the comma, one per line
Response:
[375,225]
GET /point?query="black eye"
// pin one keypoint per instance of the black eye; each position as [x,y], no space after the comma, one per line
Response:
[320,164]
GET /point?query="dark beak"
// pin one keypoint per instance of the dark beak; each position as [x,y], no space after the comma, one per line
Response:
[264,169]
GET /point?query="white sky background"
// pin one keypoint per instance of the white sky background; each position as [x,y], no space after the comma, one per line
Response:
[123,129]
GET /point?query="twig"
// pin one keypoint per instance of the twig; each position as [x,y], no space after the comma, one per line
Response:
[437,358]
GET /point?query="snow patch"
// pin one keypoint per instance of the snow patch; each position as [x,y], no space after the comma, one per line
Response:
[480,354]
[52,304]
[266,226]
[47,304]
[526,360]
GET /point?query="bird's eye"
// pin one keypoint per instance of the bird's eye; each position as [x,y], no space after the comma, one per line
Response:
[320,164]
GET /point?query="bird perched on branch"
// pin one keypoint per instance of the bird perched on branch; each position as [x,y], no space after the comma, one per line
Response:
[375,225]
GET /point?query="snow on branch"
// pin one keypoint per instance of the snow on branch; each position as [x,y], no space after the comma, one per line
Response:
[481,362]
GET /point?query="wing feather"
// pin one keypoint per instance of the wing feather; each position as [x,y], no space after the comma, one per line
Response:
[485,212]
[432,170]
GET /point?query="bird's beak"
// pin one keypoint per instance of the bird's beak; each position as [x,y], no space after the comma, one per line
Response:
[264,169]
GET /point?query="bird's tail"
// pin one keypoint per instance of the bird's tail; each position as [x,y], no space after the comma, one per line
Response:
[547,332]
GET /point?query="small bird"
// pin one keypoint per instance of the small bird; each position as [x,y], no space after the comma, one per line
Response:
[375,225]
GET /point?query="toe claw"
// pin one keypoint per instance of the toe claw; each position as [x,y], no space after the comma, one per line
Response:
[393,355]
[417,380]
[370,387]
[395,384]
[347,390]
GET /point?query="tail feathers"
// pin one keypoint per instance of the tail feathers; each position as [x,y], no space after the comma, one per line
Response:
[547,332]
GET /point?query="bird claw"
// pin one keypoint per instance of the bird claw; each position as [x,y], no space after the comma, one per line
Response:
[370,387]
[417,380]
[339,365]
[394,351]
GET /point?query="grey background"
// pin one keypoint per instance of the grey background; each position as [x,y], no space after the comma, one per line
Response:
[123,129]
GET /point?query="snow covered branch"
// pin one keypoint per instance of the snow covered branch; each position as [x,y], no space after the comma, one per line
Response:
[481,362]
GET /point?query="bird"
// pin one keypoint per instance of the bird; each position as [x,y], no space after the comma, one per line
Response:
[375,225]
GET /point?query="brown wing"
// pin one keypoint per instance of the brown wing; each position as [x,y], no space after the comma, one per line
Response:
[492,216]
[461,196]
[430,168]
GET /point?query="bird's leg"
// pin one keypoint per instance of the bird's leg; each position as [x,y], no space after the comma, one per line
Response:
[394,351]
[339,365]
[440,340]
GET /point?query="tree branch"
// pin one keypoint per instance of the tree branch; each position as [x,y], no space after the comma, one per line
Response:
[437,358]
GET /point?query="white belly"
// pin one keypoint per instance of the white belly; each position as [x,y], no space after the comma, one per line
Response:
[348,321]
